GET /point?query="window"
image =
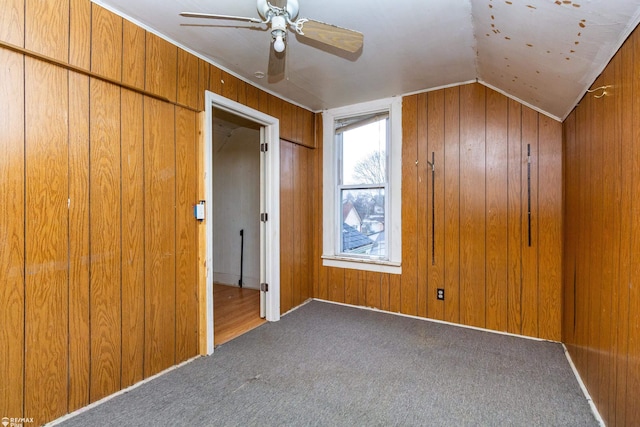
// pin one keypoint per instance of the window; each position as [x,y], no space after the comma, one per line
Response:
[362,144]
[362,158]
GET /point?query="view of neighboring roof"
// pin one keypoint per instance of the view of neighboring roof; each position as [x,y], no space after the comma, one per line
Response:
[353,240]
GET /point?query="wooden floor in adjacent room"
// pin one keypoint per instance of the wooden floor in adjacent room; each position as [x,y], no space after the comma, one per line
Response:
[235,311]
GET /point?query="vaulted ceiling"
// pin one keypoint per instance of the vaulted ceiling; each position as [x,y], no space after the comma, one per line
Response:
[544,53]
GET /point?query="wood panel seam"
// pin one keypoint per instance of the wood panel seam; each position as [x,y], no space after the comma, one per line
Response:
[80,70]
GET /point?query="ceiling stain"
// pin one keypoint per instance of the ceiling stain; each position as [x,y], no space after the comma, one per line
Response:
[561,77]
[529,83]
[567,2]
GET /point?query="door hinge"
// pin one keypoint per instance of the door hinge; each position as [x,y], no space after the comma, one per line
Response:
[264,217]
[264,147]
[264,287]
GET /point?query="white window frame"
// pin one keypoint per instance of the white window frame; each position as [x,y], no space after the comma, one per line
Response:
[331,256]
[341,186]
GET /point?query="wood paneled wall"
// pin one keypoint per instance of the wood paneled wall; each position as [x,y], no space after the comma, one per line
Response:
[601,286]
[98,176]
[492,278]
[296,222]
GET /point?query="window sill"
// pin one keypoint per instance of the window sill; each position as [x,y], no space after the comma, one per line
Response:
[362,264]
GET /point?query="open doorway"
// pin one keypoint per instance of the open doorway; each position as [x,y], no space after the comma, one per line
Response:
[237,187]
[267,216]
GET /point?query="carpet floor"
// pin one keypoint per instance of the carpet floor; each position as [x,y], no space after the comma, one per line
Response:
[330,365]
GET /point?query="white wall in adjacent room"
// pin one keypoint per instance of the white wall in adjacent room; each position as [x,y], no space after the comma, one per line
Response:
[236,206]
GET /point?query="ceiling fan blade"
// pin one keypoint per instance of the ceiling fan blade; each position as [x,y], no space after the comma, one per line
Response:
[277,62]
[332,35]
[213,16]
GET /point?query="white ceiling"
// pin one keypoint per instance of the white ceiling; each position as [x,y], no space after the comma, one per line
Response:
[544,53]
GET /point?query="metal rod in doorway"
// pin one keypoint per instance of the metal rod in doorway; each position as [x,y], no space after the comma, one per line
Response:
[241,255]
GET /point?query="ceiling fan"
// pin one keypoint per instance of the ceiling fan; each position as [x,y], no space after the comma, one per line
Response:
[281,15]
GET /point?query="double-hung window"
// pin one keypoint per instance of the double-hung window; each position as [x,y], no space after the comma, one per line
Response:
[362,144]
[361,198]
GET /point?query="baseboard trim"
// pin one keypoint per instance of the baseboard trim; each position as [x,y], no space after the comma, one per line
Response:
[587,396]
[444,322]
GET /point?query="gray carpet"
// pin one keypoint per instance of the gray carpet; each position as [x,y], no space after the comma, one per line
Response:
[330,365]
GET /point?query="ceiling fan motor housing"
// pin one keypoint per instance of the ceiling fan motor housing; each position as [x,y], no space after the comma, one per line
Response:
[292,9]
[264,7]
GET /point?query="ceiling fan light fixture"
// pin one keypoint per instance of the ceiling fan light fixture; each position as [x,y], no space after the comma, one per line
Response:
[278,43]
[278,32]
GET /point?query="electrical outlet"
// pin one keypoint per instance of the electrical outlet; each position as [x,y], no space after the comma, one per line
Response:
[440,294]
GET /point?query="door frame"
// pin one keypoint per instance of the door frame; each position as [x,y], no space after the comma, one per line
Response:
[271,136]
